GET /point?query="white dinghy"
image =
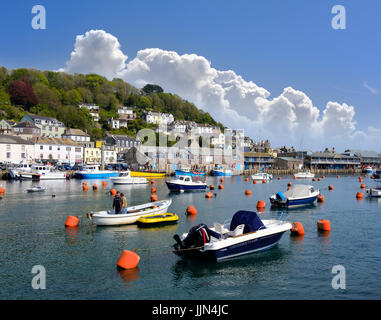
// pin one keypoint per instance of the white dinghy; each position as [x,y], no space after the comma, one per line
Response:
[109,218]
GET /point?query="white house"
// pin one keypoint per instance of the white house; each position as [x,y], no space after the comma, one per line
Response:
[50,127]
[58,149]
[218,141]
[118,123]
[93,109]
[15,149]
[158,118]
[126,113]
[76,135]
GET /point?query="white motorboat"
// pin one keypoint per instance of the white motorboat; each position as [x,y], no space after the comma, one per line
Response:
[368,169]
[21,167]
[262,176]
[93,172]
[36,189]
[125,178]
[304,175]
[298,195]
[109,218]
[185,183]
[245,234]
[374,192]
[43,172]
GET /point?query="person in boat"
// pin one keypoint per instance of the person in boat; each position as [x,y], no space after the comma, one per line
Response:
[117,203]
[124,203]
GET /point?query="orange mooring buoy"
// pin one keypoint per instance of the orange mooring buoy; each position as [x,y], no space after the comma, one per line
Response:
[128,260]
[313,179]
[153,190]
[360,179]
[248,192]
[113,192]
[247,179]
[221,186]
[320,198]
[324,225]
[254,181]
[279,178]
[289,184]
[152,181]
[211,187]
[71,221]
[263,181]
[104,184]
[153,197]
[261,204]
[359,195]
[208,195]
[85,187]
[222,180]
[330,187]
[319,179]
[95,187]
[191,210]
[362,186]
[297,229]
[338,177]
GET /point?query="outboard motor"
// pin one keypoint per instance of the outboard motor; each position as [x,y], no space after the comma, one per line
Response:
[197,237]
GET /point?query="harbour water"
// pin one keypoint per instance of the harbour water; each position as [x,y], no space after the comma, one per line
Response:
[81,263]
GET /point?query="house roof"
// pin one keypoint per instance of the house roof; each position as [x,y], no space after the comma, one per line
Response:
[25,124]
[8,139]
[75,132]
[290,159]
[363,153]
[121,137]
[55,141]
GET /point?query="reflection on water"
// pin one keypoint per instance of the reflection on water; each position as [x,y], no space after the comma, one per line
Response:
[129,275]
[71,235]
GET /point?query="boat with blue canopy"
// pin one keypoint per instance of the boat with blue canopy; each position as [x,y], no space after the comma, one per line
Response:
[244,234]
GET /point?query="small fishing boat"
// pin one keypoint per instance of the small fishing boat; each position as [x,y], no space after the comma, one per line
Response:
[262,176]
[185,183]
[220,171]
[93,172]
[304,175]
[109,218]
[148,174]
[43,172]
[374,192]
[189,172]
[125,178]
[36,189]
[298,195]
[368,169]
[245,234]
[157,219]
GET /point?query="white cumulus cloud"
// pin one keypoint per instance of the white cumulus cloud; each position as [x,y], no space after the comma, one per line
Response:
[287,119]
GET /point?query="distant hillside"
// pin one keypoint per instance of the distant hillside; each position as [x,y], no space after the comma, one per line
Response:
[56,94]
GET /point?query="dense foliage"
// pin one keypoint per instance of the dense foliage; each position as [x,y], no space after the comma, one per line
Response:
[57,94]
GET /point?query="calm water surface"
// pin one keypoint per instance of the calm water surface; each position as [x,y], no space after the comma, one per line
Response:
[81,263]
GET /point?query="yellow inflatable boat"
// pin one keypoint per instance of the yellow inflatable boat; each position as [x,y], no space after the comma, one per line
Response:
[157,219]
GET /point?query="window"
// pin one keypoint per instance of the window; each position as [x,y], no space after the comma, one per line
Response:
[23,156]
[22,147]
[50,128]
[68,148]
[8,155]
[41,156]
[77,149]
[58,148]
[41,147]
[50,147]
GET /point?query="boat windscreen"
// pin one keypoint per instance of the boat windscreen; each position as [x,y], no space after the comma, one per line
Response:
[249,218]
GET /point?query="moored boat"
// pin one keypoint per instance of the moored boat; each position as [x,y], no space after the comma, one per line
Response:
[245,234]
[148,174]
[298,195]
[43,172]
[189,172]
[36,189]
[125,178]
[109,218]
[21,167]
[262,176]
[157,219]
[220,171]
[368,169]
[304,175]
[93,172]
[374,192]
[185,183]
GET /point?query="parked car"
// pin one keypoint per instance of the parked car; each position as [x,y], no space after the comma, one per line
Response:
[64,166]
[77,167]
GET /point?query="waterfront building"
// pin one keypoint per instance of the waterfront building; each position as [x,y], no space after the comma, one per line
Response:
[121,142]
[256,160]
[218,141]
[92,155]
[367,157]
[288,163]
[330,159]
[15,149]
[58,150]
[50,127]
[26,130]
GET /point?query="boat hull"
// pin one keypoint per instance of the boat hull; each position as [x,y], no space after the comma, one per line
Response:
[104,219]
[219,173]
[100,175]
[181,187]
[147,174]
[121,180]
[155,220]
[294,202]
[236,250]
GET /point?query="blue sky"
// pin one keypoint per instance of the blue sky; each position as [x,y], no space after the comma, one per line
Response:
[275,44]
